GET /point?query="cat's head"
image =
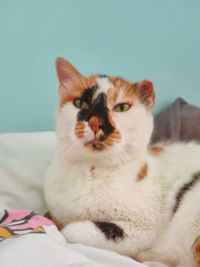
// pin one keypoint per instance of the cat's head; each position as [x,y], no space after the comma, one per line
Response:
[102,116]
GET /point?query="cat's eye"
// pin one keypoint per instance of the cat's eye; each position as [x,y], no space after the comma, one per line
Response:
[79,103]
[122,107]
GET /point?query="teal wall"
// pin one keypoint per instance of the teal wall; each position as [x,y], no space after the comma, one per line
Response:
[137,39]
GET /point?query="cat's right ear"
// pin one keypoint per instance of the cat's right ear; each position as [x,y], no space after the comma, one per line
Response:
[67,74]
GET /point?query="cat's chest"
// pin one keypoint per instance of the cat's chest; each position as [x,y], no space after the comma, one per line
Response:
[100,186]
[93,193]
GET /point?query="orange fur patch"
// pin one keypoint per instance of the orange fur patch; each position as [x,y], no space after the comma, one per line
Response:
[196,252]
[79,129]
[159,148]
[143,172]
[120,85]
[113,138]
[75,89]
[156,150]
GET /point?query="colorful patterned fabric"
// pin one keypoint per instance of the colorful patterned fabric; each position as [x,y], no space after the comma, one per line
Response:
[14,223]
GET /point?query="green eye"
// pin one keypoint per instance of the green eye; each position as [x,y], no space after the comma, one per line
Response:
[79,103]
[122,107]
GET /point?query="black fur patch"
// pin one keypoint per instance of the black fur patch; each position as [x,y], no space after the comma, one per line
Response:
[110,230]
[184,189]
[103,75]
[86,97]
[97,108]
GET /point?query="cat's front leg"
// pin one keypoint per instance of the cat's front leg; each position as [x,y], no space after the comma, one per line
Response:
[120,236]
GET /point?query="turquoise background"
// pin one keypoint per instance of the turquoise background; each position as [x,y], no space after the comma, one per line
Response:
[138,39]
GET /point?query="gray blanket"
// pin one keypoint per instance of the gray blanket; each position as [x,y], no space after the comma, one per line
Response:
[179,122]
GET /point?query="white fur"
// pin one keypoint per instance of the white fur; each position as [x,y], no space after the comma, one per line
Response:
[103,85]
[84,186]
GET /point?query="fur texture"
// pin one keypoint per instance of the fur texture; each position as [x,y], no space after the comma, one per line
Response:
[107,187]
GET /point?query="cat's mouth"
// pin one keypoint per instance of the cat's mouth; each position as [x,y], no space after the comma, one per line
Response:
[101,142]
[95,145]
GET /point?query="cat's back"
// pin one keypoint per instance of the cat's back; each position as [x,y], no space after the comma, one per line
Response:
[175,161]
[177,165]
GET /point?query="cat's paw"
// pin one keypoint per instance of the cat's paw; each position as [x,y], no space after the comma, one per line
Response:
[83,232]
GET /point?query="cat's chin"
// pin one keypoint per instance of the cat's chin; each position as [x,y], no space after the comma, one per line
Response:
[95,145]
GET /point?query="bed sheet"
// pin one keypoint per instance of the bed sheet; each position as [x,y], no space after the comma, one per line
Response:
[28,239]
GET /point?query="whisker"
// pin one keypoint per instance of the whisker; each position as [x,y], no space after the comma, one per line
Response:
[122,153]
[66,146]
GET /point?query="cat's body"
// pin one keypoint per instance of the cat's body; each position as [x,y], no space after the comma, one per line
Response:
[122,195]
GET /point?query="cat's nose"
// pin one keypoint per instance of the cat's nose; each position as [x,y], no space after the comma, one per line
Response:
[95,124]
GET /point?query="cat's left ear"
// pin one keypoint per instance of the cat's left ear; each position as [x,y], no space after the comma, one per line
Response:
[67,74]
[145,92]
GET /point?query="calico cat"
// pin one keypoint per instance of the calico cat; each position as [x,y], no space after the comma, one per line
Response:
[107,187]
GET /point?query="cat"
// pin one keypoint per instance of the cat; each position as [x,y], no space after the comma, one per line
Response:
[107,187]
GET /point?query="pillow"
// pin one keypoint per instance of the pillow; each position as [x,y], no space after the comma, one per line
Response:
[24,158]
[179,122]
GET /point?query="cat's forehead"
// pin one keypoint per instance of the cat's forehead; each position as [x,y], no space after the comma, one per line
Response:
[103,84]
[114,88]
[117,85]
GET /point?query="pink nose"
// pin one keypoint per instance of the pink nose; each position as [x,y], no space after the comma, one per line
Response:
[95,124]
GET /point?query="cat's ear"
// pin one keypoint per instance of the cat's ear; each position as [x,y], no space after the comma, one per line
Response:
[67,74]
[146,93]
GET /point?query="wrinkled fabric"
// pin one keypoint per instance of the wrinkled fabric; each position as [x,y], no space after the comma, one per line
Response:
[179,122]
[28,239]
